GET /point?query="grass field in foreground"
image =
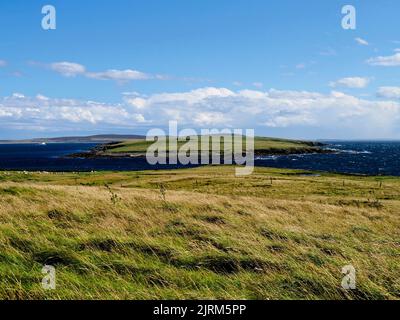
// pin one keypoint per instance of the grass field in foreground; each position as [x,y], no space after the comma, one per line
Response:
[199,233]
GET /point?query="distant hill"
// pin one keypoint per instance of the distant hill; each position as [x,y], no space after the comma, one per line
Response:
[103,138]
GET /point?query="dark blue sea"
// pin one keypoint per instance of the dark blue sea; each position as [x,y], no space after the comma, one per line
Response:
[353,157]
[369,158]
[55,157]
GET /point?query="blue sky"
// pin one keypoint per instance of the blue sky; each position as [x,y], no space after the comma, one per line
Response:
[285,68]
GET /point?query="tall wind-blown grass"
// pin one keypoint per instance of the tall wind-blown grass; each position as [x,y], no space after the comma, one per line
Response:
[199,234]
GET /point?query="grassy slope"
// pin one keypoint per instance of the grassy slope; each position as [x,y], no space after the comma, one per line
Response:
[260,144]
[275,234]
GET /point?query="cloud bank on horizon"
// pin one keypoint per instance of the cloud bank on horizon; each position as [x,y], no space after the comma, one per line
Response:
[331,83]
[211,107]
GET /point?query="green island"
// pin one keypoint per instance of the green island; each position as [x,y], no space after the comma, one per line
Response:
[199,233]
[262,146]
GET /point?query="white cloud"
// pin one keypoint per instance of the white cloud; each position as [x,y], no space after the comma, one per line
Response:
[47,111]
[300,66]
[18,95]
[385,61]
[191,97]
[361,41]
[210,119]
[300,113]
[351,82]
[338,112]
[389,92]
[118,75]
[72,69]
[3,63]
[42,97]
[68,69]
[284,121]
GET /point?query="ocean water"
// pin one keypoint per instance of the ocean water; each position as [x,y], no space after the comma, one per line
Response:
[54,157]
[367,158]
[370,158]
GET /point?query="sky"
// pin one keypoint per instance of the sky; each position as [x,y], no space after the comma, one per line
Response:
[283,68]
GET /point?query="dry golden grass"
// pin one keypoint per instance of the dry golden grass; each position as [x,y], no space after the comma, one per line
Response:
[199,233]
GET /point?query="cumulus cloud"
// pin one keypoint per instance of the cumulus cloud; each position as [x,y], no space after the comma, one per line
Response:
[210,119]
[118,75]
[361,41]
[272,109]
[389,92]
[49,113]
[303,113]
[68,69]
[193,97]
[42,97]
[385,61]
[72,69]
[351,82]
